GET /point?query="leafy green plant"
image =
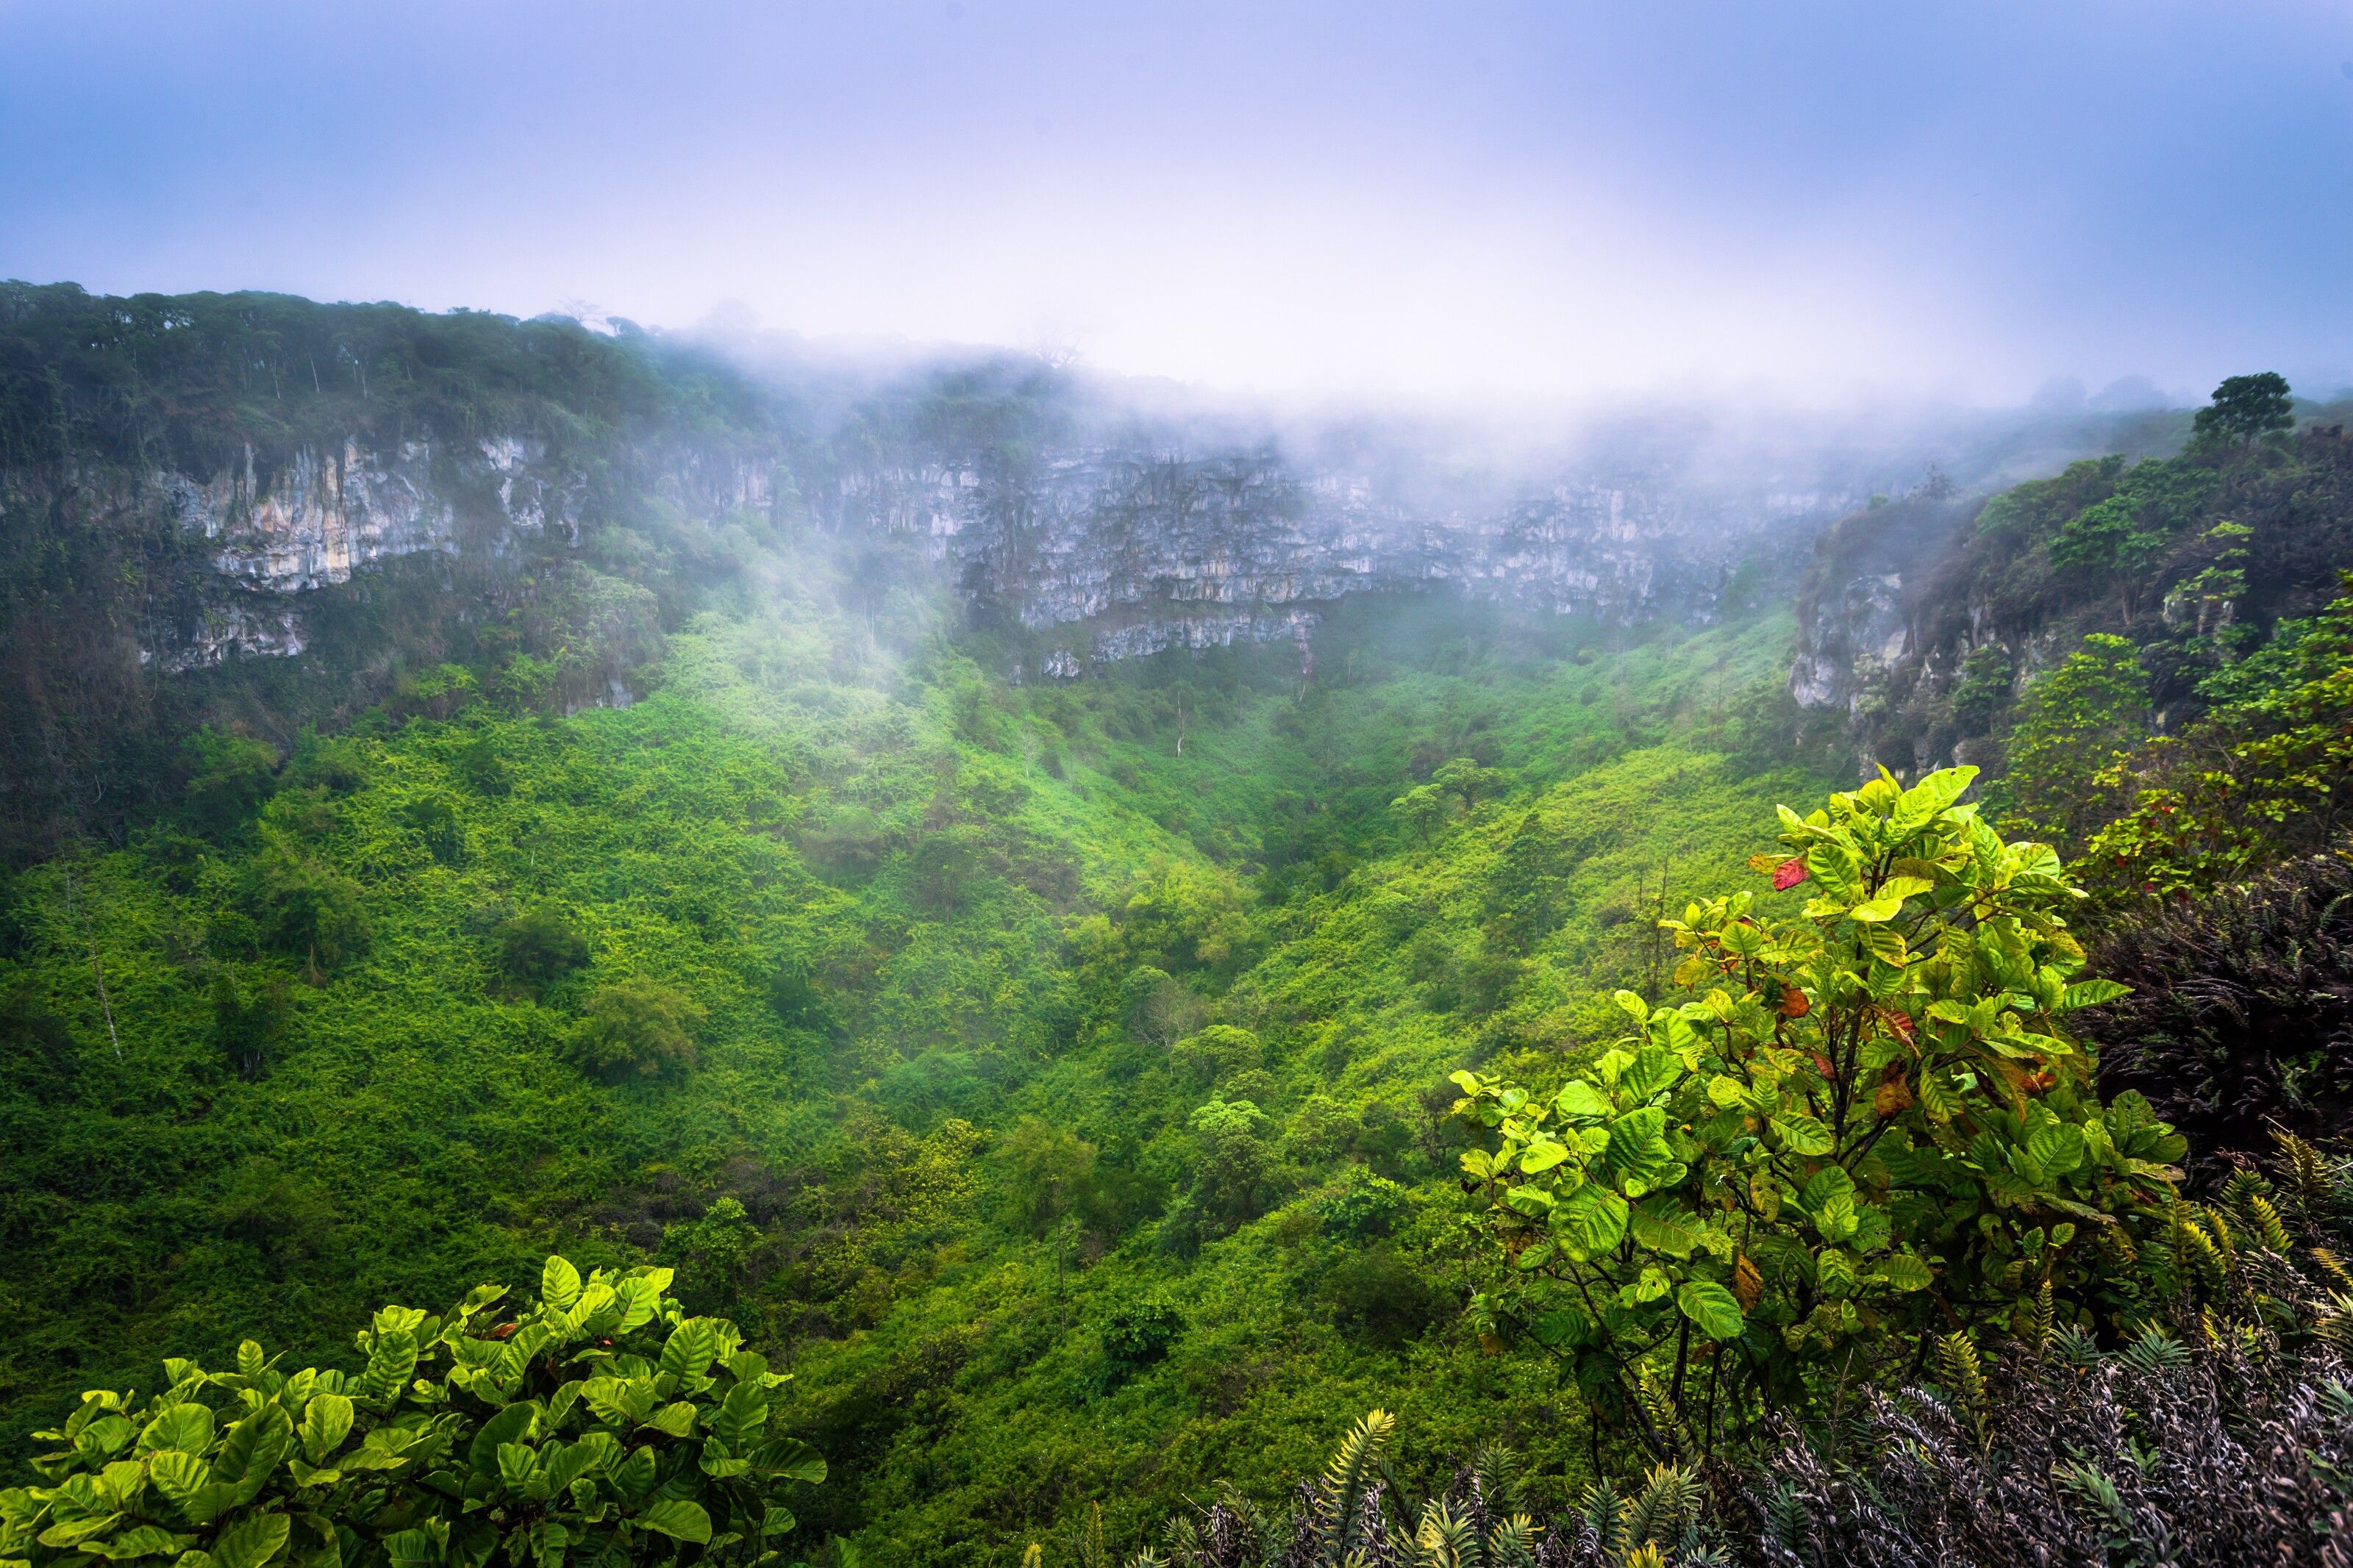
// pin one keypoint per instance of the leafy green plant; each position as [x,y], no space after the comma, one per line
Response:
[2262,778]
[636,1030]
[599,1425]
[2073,721]
[538,948]
[1873,1121]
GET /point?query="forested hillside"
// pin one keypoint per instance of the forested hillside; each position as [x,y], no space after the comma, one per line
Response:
[1068,1108]
[1094,1089]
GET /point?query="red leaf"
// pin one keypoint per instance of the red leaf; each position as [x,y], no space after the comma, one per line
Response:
[1788,875]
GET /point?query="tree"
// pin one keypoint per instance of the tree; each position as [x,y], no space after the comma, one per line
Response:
[1051,1172]
[636,1030]
[307,910]
[1237,1159]
[2245,409]
[2073,721]
[600,1421]
[2264,776]
[1872,1123]
[537,948]
[228,778]
[249,1031]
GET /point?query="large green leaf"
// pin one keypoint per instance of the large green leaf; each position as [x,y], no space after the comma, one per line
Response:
[253,1544]
[740,1415]
[389,1366]
[1638,1143]
[252,1449]
[559,1283]
[1712,1307]
[678,1518]
[1654,1069]
[1802,1134]
[184,1428]
[326,1421]
[1581,1100]
[512,1425]
[1888,902]
[1589,1221]
[2056,1149]
[1918,806]
[689,1349]
[792,1459]
[2090,994]
[1902,1271]
[1665,1226]
[139,1541]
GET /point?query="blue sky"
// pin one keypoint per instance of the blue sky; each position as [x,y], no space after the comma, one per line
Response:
[1480,200]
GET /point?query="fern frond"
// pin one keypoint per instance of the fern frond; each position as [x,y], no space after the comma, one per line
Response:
[2036,1316]
[2306,1172]
[2077,1345]
[1666,1418]
[1670,1500]
[2155,1353]
[1963,1373]
[1497,1471]
[2268,1224]
[1353,1461]
[1786,1523]
[1600,1513]
[1444,1539]
[1511,1543]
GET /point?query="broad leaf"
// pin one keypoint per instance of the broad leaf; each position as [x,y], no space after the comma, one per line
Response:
[678,1518]
[184,1428]
[1712,1307]
[1589,1221]
[252,1544]
[1662,1227]
[326,1421]
[1802,1134]
[559,1283]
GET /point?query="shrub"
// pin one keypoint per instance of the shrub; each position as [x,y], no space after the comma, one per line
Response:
[307,910]
[249,1025]
[1873,1121]
[599,1422]
[2262,778]
[1217,1053]
[1383,1294]
[228,778]
[1140,1333]
[2240,1017]
[637,1031]
[1361,1207]
[799,1002]
[436,822]
[538,948]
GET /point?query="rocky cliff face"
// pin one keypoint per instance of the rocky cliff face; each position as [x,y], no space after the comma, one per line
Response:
[268,541]
[1102,553]
[1108,553]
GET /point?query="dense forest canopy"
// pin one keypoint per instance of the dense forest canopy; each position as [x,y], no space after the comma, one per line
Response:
[1092,1090]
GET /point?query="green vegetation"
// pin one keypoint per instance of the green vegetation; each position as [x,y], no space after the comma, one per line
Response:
[2171,572]
[460,1440]
[1069,1113]
[1089,1088]
[1872,1129]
